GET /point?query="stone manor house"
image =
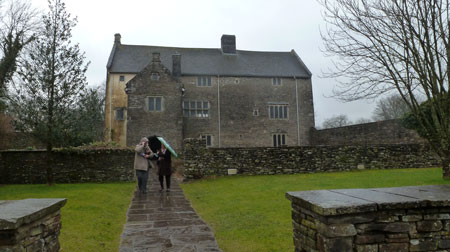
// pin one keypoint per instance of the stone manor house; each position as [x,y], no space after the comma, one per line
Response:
[231,98]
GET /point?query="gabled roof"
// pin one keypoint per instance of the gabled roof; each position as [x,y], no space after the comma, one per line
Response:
[200,61]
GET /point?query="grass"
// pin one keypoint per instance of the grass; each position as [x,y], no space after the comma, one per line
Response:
[251,213]
[92,219]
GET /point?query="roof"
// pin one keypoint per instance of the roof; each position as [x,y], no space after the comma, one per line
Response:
[201,61]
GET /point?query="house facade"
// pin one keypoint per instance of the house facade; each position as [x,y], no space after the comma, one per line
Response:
[231,98]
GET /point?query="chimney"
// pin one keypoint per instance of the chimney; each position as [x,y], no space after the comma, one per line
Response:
[117,38]
[156,58]
[176,65]
[228,43]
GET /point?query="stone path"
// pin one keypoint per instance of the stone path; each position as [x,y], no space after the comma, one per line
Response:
[163,222]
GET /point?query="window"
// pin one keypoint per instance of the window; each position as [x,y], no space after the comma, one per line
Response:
[279,140]
[154,103]
[276,81]
[119,114]
[121,78]
[256,112]
[155,76]
[208,139]
[204,81]
[279,111]
[199,109]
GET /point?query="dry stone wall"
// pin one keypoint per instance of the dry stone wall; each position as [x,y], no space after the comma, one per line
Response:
[29,167]
[381,132]
[200,161]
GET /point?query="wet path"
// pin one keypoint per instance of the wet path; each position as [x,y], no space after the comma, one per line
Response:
[164,222]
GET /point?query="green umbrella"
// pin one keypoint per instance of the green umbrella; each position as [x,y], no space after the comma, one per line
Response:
[163,141]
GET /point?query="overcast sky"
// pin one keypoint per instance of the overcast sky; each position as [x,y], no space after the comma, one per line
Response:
[269,25]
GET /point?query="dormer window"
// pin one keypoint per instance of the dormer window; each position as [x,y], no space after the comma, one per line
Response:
[155,76]
[204,81]
[276,81]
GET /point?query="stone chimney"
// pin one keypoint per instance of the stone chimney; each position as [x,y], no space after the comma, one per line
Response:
[176,65]
[117,38]
[228,44]
[156,57]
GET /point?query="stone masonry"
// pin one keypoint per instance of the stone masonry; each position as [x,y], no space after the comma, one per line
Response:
[140,121]
[240,117]
[30,225]
[200,161]
[72,166]
[372,220]
[235,98]
[381,132]
[69,166]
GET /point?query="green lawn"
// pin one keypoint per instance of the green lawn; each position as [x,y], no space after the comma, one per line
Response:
[92,219]
[251,213]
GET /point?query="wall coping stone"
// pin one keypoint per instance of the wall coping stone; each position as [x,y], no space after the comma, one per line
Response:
[22,150]
[15,213]
[351,201]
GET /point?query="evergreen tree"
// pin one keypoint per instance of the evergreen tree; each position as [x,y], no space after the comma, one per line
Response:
[52,79]
[87,119]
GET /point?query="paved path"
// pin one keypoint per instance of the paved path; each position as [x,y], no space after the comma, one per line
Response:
[163,222]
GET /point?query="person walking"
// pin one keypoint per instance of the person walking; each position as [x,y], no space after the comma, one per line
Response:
[164,167]
[141,165]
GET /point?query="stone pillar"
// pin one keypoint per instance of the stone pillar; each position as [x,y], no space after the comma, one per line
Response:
[194,150]
[415,218]
[30,225]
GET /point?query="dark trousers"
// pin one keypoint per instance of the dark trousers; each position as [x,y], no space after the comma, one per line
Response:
[161,181]
[142,177]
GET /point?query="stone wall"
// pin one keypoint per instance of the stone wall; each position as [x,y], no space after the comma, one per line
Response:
[381,132]
[30,225]
[69,166]
[372,220]
[168,122]
[238,109]
[200,161]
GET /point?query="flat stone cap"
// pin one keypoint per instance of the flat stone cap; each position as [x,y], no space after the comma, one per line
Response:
[350,201]
[14,213]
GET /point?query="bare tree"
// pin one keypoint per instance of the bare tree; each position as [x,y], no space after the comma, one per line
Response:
[18,24]
[336,121]
[395,45]
[391,107]
[362,120]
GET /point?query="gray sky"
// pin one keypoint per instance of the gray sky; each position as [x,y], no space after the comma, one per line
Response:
[269,25]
